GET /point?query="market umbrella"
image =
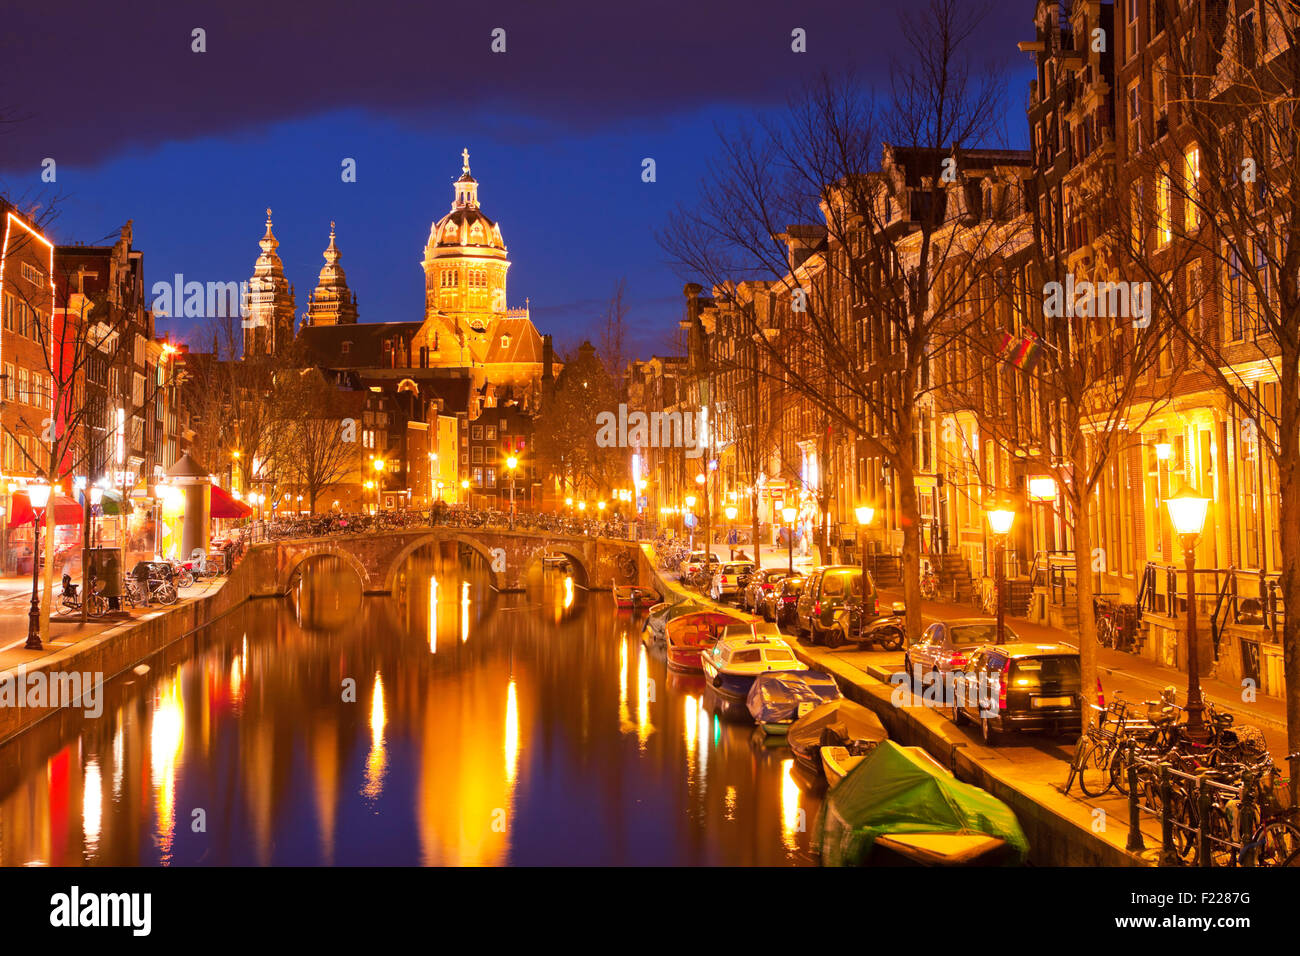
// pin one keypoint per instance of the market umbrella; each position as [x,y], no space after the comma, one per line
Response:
[66,511]
[224,506]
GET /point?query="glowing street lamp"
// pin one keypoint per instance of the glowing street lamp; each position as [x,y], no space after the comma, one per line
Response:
[1187,514]
[1001,516]
[39,497]
[511,464]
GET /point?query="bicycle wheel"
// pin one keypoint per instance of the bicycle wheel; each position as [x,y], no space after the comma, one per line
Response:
[1219,830]
[1276,843]
[185,579]
[1094,768]
[1182,808]
[97,605]
[165,594]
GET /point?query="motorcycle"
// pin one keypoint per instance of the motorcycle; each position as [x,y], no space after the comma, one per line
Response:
[886,631]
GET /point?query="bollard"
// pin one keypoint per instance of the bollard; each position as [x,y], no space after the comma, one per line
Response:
[1168,853]
[1135,842]
[1202,816]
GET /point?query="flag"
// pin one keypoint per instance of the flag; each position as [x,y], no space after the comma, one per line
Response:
[1027,353]
[1005,345]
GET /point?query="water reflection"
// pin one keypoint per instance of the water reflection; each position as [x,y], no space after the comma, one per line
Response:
[548,733]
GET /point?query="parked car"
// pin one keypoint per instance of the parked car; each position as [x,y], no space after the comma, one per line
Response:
[694,564]
[827,591]
[1021,686]
[702,572]
[760,584]
[730,579]
[947,645]
[780,602]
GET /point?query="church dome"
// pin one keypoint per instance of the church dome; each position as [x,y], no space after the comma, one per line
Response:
[465,228]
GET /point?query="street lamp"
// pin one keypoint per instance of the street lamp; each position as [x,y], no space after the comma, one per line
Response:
[39,497]
[379,483]
[864,514]
[511,464]
[789,514]
[1001,517]
[1187,513]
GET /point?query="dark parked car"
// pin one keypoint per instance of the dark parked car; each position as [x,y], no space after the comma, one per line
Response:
[947,645]
[826,592]
[781,600]
[760,584]
[1006,687]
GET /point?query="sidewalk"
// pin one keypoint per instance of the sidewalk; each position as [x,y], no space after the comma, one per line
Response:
[15,605]
[1139,679]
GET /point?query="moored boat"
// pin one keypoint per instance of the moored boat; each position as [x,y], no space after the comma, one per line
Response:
[837,760]
[839,723]
[634,595]
[779,698]
[900,806]
[734,663]
[691,635]
[661,614]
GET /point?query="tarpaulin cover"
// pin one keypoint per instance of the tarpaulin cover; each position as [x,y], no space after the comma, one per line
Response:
[846,721]
[776,695]
[902,790]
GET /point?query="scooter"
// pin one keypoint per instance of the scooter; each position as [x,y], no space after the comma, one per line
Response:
[885,631]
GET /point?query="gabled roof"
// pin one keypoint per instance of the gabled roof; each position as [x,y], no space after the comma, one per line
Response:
[523,341]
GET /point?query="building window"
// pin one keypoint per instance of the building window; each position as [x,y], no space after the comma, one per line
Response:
[345,348]
[476,433]
[1131,33]
[476,455]
[491,433]
[1191,187]
[1135,116]
[491,477]
[478,477]
[1164,219]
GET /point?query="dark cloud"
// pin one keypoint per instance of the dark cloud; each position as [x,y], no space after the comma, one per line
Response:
[91,80]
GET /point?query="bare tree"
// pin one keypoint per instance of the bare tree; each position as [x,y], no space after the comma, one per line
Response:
[855,305]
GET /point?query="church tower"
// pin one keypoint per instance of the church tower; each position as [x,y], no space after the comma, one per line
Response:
[465,266]
[331,303]
[268,324]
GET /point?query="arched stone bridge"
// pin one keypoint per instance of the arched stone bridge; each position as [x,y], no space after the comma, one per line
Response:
[377,557]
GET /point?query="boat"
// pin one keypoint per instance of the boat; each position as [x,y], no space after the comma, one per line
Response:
[899,806]
[661,614]
[779,698]
[633,595]
[838,723]
[733,664]
[837,760]
[690,635]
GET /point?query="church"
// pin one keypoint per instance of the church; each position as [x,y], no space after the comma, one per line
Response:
[469,357]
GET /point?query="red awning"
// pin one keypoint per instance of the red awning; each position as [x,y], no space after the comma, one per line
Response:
[66,510]
[224,506]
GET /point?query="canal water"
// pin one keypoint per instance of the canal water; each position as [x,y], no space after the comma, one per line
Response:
[444,725]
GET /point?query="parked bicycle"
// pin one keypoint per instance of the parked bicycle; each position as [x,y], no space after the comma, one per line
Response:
[96,604]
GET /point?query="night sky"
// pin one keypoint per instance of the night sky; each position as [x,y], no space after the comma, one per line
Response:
[195,146]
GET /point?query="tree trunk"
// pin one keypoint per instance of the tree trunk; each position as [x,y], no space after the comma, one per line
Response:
[911,561]
[49,569]
[1080,503]
[1288,472]
[753,511]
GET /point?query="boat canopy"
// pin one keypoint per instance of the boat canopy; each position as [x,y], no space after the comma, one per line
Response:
[842,720]
[898,790]
[782,695]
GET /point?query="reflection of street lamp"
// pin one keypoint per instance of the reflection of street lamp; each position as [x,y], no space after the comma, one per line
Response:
[864,515]
[1187,513]
[789,514]
[1001,517]
[38,496]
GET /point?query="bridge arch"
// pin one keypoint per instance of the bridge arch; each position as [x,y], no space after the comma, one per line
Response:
[326,549]
[571,550]
[399,559]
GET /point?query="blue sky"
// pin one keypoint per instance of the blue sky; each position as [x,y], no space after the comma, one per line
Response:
[194,147]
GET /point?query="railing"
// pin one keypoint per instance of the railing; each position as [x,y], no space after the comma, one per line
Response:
[1230,605]
[1053,572]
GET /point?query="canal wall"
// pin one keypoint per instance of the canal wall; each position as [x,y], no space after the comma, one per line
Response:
[121,647]
[1059,829]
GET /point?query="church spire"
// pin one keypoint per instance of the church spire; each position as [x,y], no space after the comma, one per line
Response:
[466,186]
[332,303]
[268,326]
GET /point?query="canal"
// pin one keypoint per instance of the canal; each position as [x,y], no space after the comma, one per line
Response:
[444,725]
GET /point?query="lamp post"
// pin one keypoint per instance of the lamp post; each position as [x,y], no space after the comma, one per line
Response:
[379,484]
[864,515]
[1001,517]
[1187,514]
[789,514]
[731,527]
[511,464]
[39,496]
